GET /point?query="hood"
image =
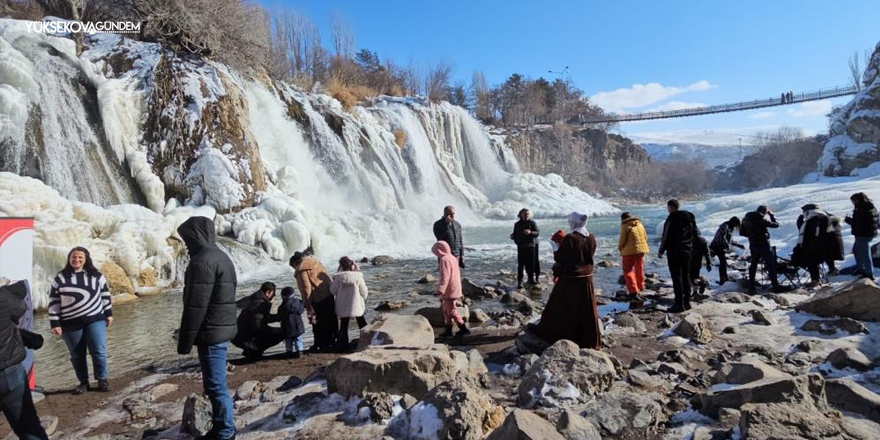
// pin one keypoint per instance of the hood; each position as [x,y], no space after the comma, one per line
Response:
[441,249]
[287,292]
[17,289]
[308,263]
[632,221]
[349,277]
[198,233]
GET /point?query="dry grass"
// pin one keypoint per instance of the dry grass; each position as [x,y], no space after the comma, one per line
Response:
[399,138]
[348,95]
[21,10]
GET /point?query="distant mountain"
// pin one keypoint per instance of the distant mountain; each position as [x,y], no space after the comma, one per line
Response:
[714,155]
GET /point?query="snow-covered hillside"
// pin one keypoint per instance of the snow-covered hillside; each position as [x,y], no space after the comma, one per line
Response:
[713,155]
[129,140]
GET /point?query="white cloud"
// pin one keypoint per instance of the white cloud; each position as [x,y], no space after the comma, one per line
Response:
[811,108]
[713,137]
[762,115]
[675,105]
[641,95]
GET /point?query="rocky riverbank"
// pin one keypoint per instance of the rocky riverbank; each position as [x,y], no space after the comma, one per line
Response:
[800,365]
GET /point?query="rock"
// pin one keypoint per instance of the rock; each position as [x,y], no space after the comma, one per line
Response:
[514,298]
[455,410]
[49,424]
[849,358]
[381,406]
[139,406]
[478,316]
[475,292]
[778,421]
[762,317]
[525,425]
[846,395]
[736,298]
[428,278]
[37,396]
[745,371]
[117,280]
[365,260]
[645,380]
[400,330]
[407,401]
[434,315]
[381,260]
[706,433]
[396,370]
[779,300]
[507,317]
[573,426]
[808,345]
[289,384]
[693,327]
[162,390]
[672,368]
[629,319]
[250,390]
[565,373]
[832,326]
[807,390]
[386,306]
[608,263]
[528,342]
[730,330]
[623,409]
[621,280]
[859,299]
[196,420]
[729,417]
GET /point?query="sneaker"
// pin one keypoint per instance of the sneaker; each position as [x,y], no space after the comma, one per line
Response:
[82,388]
[296,355]
[103,385]
[678,308]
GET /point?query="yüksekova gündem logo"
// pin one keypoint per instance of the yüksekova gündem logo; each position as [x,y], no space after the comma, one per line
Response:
[86,27]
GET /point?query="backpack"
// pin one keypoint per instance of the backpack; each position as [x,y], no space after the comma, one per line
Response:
[746,225]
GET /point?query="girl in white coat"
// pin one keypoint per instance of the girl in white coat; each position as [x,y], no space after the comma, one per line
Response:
[350,292]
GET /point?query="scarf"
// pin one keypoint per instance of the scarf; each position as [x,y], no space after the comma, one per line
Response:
[578,223]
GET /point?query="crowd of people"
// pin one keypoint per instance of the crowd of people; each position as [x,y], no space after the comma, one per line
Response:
[80,306]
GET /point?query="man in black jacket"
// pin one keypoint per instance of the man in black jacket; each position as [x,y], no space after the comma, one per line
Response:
[255,335]
[208,320]
[679,233]
[525,235]
[15,397]
[755,226]
[448,230]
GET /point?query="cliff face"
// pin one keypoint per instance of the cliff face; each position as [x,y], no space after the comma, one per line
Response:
[591,159]
[855,128]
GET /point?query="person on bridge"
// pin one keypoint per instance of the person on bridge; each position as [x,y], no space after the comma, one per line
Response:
[721,244]
[255,335]
[525,235]
[679,233]
[633,245]
[755,226]
[448,230]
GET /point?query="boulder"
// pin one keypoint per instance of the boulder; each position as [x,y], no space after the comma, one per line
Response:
[808,345]
[645,380]
[196,420]
[736,298]
[525,425]
[608,263]
[859,299]
[673,368]
[806,390]
[454,410]
[849,358]
[564,374]
[777,421]
[434,315]
[428,278]
[398,370]
[514,298]
[386,306]
[745,371]
[400,330]
[573,426]
[832,326]
[762,317]
[846,395]
[474,291]
[622,409]
[629,319]
[478,316]
[49,424]
[250,390]
[528,342]
[693,327]
[381,260]
[380,405]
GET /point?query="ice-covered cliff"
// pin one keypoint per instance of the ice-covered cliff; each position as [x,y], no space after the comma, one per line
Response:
[127,140]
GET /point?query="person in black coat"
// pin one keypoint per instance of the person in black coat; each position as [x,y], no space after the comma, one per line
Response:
[255,335]
[448,230]
[292,326]
[721,244]
[525,235]
[864,223]
[15,397]
[208,320]
[679,233]
[756,227]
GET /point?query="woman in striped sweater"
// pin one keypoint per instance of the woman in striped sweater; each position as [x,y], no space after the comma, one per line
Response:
[80,312]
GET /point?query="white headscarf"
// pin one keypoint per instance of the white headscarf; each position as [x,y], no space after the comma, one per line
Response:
[578,223]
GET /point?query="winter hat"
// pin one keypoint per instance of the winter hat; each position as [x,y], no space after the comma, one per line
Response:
[809,207]
[287,292]
[625,216]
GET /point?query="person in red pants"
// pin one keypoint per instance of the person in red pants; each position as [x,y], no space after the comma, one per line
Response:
[633,245]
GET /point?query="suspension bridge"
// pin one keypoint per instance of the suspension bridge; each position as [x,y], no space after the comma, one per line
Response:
[789,98]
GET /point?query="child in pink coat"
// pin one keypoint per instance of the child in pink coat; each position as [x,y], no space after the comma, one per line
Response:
[449,288]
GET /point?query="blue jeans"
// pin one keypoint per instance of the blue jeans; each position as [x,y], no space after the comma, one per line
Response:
[213,361]
[291,342]
[18,405]
[93,336]
[862,251]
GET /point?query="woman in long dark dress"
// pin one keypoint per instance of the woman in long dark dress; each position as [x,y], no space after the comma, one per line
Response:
[571,310]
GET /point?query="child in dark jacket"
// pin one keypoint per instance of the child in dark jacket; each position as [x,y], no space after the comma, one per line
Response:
[292,327]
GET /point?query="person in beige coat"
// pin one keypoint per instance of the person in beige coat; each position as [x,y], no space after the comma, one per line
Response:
[314,286]
[350,293]
[633,245]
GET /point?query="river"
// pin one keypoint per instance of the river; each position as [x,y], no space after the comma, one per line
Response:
[142,332]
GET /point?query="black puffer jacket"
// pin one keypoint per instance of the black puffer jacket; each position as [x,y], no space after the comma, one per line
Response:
[520,237]
[256,314]
[755,226]
[451,234]
[679,233]
[864,220]
[290,312]
[209,288]
[12,308]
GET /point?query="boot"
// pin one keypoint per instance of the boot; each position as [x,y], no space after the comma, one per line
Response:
[519,283]
[462,330]
[82,388]
[447,333]
[103,385]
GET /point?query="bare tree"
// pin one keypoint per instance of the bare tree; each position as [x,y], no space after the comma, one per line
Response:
[855,71]
[437,81]
[343,39]
[481,96]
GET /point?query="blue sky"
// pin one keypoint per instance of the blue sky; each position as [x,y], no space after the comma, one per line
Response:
[632,55]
